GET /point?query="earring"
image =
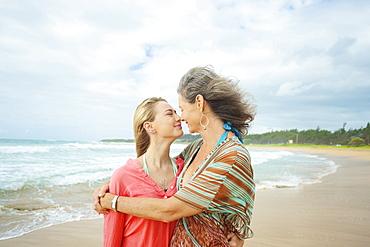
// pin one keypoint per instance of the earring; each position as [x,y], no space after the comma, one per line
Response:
[200,121]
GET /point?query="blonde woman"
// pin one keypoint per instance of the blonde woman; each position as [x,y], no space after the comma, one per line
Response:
[152,174]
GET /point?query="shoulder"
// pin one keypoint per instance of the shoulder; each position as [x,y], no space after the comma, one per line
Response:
[233,145]
[127,180]
[129,167]
[233,151]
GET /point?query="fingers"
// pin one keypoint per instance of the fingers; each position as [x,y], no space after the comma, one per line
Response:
[97,206]
[232,243]
[230,235]
[102,190]
[95,194]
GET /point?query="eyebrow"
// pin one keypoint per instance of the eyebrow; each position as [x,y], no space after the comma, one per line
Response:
[171,110]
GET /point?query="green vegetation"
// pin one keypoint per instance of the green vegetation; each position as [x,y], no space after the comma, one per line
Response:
[341,137]
[357,142]
[187,138]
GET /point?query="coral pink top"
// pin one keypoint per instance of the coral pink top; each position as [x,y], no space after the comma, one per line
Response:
[126,230]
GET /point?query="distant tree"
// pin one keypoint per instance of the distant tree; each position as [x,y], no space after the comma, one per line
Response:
[312,136]
[188,138]
[356,142]
[365,133]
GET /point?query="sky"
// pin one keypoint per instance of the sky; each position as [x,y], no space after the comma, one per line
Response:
[76,70]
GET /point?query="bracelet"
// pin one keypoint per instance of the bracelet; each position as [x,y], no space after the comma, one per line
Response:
[114,203]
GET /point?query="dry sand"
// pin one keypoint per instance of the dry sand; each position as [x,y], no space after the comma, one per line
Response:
[335,212]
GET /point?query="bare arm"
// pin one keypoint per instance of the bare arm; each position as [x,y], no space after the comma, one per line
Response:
[164,214]
[166,210]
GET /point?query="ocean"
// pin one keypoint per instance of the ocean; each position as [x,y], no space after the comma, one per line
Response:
[47,182]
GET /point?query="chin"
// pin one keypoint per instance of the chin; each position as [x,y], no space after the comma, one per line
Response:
[179,135]
[191,130]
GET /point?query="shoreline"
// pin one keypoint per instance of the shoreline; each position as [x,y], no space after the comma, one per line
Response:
[334,212]
[363,154]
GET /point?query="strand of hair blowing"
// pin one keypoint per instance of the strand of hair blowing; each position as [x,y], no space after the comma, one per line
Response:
[224,96]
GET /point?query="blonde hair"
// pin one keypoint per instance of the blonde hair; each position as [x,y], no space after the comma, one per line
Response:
[144,113]
[224,96]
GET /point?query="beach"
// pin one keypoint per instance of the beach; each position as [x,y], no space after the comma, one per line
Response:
[335,212]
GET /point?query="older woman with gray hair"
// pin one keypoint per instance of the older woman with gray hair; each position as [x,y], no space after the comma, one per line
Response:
[216,187]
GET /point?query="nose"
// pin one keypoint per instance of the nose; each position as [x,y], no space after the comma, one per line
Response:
[177,117]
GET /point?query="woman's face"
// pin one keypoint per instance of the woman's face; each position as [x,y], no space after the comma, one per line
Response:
[167,123]
[190,114]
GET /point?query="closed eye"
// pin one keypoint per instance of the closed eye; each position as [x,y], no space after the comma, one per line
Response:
[169,112]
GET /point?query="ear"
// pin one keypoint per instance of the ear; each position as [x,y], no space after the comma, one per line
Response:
[148,127]
[199,100]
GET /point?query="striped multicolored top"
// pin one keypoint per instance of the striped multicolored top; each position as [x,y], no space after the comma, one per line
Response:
[222,187]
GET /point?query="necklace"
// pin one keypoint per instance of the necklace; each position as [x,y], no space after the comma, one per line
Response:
[163,181]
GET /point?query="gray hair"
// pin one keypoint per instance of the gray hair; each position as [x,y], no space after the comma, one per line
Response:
[224,96]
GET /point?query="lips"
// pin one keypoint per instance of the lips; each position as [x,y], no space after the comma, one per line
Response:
[179,125]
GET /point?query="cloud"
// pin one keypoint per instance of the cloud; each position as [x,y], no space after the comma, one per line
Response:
[292,88]
[78,69]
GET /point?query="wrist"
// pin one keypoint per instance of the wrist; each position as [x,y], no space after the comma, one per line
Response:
[114,203]
[106,201]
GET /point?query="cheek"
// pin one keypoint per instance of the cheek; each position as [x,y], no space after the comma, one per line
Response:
[189,118]
[185,116]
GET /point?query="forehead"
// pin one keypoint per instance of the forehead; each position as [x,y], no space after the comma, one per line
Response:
[181,100]
[163,106]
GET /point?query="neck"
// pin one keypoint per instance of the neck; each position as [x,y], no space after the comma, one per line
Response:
[213,132]
[158,153]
